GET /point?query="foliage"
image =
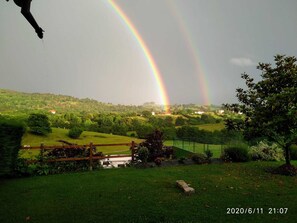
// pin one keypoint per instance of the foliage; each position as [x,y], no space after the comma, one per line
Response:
[158,161]
[169,132]
[154,144]
[264,151]
[168,151]
[42,165]
[39,124]
[180,121]
[143,130]
[181,160]
[207,137]
[11,133]
[293,150]
[237,153]
[25,168]
[75,132]
[270,105]
[208,153]
[199,158]
[143,154]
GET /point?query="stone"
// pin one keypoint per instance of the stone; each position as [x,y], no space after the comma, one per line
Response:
[185,187]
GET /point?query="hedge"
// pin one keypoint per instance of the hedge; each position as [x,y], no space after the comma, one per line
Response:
[11,134]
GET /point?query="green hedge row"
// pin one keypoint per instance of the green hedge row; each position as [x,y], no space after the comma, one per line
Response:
[10,142]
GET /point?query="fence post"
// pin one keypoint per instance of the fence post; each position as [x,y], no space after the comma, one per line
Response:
[91,157]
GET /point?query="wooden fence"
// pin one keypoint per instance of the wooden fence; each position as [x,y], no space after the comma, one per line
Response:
[90,147]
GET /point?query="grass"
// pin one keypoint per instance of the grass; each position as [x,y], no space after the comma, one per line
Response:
[150,195]
[212,127]
[85,138]
[195,147]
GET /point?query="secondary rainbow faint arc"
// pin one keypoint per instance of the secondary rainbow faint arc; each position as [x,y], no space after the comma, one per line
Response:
[147,53]
[193,50]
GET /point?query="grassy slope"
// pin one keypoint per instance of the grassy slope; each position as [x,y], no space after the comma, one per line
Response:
[85,138]
[150,195]
[212,127]
[195,147]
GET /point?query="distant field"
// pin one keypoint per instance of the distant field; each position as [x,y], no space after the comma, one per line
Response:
[85,138]
[212,127]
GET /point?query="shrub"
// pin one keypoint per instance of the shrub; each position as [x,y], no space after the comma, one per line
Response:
[39,124]
[75,132]
[143,154]
[154,144]
[181,160]
[294,152]
[208,154]
[10,142]
[199,158]
[158,161]
[236,154]
[264,151]
[168,151]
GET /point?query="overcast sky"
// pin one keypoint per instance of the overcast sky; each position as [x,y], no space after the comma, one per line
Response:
[200,46]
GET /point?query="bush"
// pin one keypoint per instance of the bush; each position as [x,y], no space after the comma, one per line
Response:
[236,154]
[11,134]
[264,151]
[199,158]
[181,160]
[154,144]
[158,161]
[168,152]
[39,124]
[293,152]
[208,154]
[75,132]
[143,154]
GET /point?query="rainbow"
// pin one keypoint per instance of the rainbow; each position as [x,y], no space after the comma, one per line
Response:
[147,53]
[193,50]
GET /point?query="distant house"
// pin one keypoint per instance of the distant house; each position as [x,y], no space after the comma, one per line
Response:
[221,112]
[199,112]
[153,113]
[53,111]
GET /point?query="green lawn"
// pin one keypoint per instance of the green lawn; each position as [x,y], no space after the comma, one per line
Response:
[85,138]
[150,195]
[212,127]
[195,147]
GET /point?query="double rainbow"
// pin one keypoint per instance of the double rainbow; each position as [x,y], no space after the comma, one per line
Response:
[148,55]
[192,49]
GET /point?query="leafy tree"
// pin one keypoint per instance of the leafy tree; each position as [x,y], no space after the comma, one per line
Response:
[270,106]
[143,130]
[75,132]
[180,121]
[39,124]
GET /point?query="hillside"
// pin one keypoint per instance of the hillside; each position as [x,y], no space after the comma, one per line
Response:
[14,102]
[19,102]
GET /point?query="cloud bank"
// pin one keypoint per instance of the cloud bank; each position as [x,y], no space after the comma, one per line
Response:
[242,61]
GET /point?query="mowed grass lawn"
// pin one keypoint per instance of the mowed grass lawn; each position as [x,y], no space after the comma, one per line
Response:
[195,147]
[150,195]
[85,138]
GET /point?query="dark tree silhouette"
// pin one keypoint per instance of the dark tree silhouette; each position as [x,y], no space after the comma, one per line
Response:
[25,10]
